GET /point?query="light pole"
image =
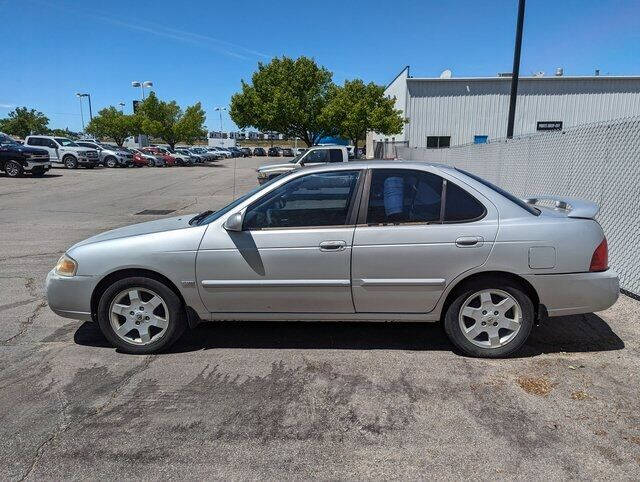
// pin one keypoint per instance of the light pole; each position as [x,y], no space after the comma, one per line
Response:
[88,96]
[142,85]
[515,72]
[81,114]
[219,110]
[121,104]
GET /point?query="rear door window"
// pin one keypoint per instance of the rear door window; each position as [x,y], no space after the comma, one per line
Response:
[404,196]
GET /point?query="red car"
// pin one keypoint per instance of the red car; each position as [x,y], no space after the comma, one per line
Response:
[159,151]
[139,159]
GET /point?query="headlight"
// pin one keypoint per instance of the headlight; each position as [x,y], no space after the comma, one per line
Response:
[66,266]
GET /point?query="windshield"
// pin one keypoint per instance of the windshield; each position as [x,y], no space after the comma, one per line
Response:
[63,141]
[213,216]
[297,158]
[527,207]
[5,139]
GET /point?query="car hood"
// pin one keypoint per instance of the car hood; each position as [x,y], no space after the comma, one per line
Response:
[277,167]
[30,150]
[157,226]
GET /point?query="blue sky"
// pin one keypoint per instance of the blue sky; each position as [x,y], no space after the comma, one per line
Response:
[199,50]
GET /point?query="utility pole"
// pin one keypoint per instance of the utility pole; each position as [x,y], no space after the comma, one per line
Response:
[515,72]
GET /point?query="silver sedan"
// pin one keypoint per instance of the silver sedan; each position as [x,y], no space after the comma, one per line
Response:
[360,241]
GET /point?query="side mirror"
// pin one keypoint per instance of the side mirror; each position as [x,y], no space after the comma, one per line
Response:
[234,222]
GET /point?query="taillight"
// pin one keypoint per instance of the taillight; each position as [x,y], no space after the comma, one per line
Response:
[600,258]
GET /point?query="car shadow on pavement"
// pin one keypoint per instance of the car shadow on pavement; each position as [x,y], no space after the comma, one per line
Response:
[580,333]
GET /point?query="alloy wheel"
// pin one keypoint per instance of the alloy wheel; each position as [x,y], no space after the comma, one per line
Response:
[139,316]
[12,169]
[490,318]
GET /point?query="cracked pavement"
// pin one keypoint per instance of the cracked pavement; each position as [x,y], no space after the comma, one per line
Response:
[246,400]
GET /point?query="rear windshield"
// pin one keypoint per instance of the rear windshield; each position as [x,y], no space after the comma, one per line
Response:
[527,207]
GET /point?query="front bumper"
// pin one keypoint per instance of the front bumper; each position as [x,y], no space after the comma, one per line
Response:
[31,165]
[576,293]
[70,296]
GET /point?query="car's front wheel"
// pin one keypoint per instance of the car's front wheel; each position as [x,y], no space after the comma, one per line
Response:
[111,162]
[70,162]
[13,169]
[489,318]
[141,315]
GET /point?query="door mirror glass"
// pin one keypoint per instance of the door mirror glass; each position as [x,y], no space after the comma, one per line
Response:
[234,222]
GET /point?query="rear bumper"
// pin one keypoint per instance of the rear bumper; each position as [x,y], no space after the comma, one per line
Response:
[570,294]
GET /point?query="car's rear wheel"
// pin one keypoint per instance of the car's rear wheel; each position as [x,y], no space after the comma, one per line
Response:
[141,315]
[13,169]
[489,318]
[70,162]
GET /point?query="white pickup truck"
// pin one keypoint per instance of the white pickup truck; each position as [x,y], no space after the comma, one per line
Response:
[314,155]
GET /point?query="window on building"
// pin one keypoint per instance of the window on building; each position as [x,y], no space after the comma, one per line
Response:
[480,139]
[438,142]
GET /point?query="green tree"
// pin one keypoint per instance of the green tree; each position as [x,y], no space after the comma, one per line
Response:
[64,133]
[356,108]
[166,121]
[22,122]
[112,123]
[285,96]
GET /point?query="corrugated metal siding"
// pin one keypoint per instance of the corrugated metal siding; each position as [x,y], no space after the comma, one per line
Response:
[462,108]
[397,89]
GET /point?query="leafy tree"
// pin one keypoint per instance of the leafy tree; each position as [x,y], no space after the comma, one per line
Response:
[64,133]
[165,120]
[22,122]
[111,122]
[286,96]
[356,108]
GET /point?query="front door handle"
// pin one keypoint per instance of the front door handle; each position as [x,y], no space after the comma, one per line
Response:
[469,241]
[333,245]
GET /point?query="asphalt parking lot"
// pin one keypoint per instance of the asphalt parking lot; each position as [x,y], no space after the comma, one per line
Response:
[277,400]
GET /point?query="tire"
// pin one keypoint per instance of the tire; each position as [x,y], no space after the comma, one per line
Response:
[145,334]
[70,162]
[497,335]
[13,169]
[111,162]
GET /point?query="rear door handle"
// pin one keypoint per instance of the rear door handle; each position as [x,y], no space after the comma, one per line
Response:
[469,241]
[333,245]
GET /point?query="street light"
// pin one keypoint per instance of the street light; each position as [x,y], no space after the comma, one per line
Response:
[88,96]
[142,85]
[81,114]
[219,110]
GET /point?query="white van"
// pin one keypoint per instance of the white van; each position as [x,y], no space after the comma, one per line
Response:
[65,151]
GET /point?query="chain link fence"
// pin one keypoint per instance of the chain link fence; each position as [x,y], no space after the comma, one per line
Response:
[599,162]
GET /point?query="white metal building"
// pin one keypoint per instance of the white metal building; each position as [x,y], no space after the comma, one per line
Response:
[444,112]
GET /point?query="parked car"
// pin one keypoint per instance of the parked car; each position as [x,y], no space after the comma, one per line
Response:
[246,151]
[168,159]
[64,151]
[186,154]
[216,153]
[314,155]
[235,152]
[16,159]
[356,241]
[181,158]
[221,152]
[287,152]
[142,157]
[259,152]
[273,152]
[109,156]
[199,158]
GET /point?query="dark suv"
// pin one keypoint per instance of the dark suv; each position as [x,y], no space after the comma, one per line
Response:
[16,159]
[273,152]
[259,151]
